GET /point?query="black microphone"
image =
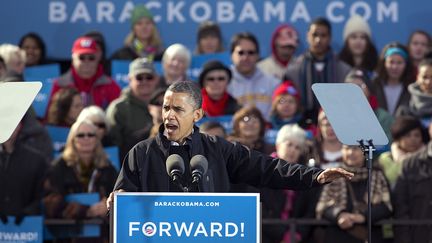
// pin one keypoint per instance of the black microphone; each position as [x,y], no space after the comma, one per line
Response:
[199,166]
[175,168]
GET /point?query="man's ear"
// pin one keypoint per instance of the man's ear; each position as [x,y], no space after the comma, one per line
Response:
[198,114]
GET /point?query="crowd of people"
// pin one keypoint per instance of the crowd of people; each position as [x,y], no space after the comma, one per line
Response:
[261,94]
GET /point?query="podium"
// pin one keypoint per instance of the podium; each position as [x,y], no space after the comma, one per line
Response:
[186,217]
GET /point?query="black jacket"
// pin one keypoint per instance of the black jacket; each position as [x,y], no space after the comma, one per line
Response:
[21,175]
[413,197]
[144,167]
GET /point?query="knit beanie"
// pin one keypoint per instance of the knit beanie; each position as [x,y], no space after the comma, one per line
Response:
[286,87]
[356,24]
[140,11]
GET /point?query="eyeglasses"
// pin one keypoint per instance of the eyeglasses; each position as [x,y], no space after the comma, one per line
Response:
[220,79]
[286,101]
[83,135]
[249,52]
[142,77]
[248,119]
[100,125]
[90,58]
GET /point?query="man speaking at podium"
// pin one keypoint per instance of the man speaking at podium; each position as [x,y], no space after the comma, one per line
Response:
[180,158]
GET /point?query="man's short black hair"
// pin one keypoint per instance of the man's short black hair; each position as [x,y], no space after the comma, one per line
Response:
[243,36]
[189,88]
[323,22]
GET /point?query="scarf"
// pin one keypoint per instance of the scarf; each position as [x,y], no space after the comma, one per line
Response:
[214,107]
[277,122]
[143,50]
[421,103]
[86,85]
[336,194]
[309,75]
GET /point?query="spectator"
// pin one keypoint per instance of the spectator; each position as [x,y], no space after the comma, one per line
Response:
[214,79]
[65,107]
[285,106]
[420,105]
[394,74]
[361,78]
[175,61]
[328,147]
[82,168]
[129,113]
[98,117]
[143,40]
[412,196]
[213,128]
[419,44]
[35,135]
[317,65]
[15,59]
[22,170]
[209,38]
[345,202]
[286,204]
[100,41]
[359,50]
[87,75]
[249,129]
[249,85]
[408,138]
[155,109]
[284,43]
[34,47]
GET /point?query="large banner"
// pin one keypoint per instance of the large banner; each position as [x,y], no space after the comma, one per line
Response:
[60,22]
[186,217]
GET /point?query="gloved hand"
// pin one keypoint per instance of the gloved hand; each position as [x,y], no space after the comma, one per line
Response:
[19,218]
[3,218]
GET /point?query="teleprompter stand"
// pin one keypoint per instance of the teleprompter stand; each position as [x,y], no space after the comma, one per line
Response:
[354,123]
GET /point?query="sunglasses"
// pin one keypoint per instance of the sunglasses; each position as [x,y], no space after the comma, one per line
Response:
[90,58]
[83,135]
[100,125]
[143,77]
[220,79]
[249,53]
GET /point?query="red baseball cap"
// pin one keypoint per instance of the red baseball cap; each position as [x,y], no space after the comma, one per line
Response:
[84,45]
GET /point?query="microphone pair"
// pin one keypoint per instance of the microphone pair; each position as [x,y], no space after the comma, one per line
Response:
[175,168]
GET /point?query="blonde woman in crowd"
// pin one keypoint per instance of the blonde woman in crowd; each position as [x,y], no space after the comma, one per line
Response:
[83,167]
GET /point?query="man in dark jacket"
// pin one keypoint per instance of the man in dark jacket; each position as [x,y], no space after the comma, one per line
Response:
[22,171]
[317,65]
[412,196]
[144,167]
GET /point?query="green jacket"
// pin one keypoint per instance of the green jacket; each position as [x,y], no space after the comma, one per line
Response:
[127,115]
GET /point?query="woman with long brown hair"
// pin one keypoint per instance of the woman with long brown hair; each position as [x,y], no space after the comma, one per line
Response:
[394,74]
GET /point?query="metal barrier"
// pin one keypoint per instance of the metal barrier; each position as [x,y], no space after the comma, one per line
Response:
[320,222]
[292,223]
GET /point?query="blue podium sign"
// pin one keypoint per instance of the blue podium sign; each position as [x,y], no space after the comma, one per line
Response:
[186,217]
